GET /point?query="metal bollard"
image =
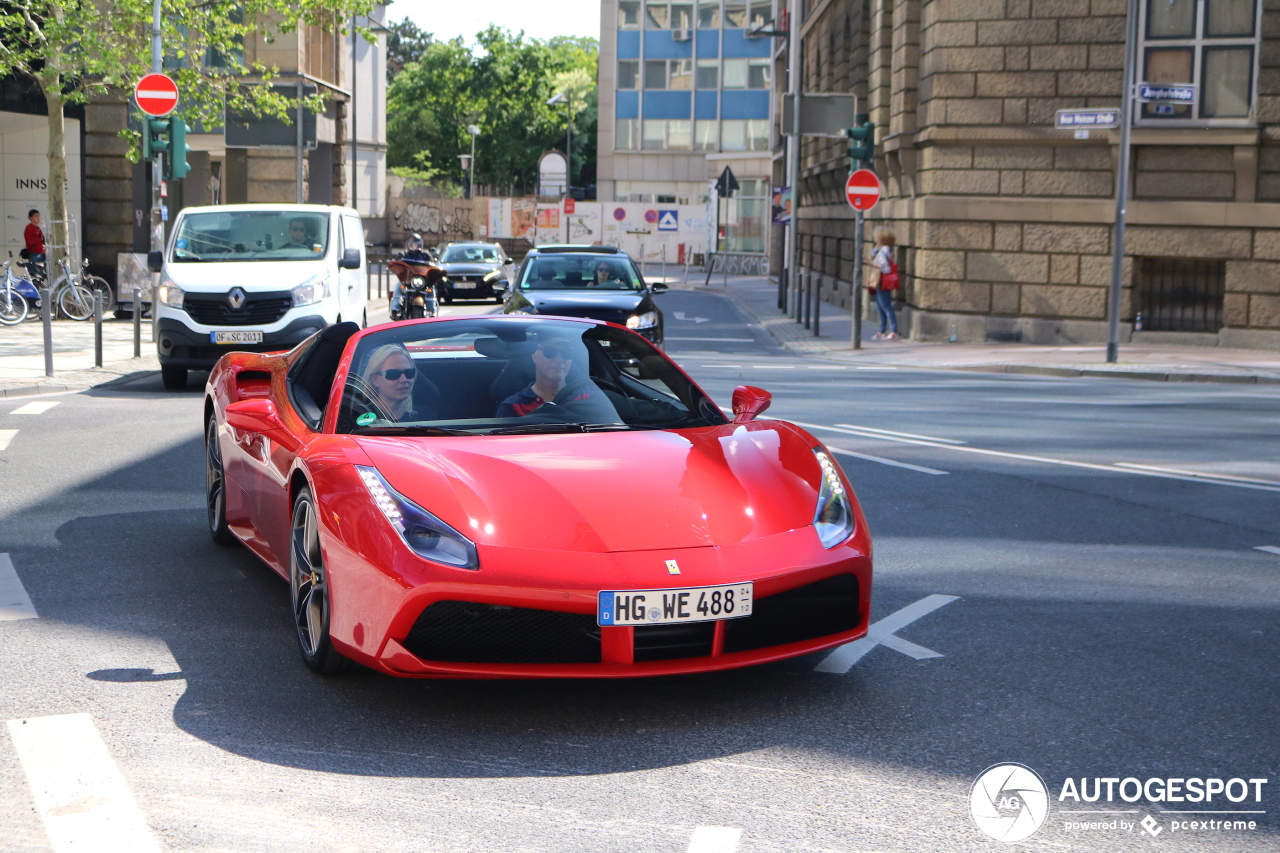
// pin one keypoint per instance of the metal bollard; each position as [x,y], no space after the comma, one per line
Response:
[137,322]
[817,306]
[97,328]
[46,318]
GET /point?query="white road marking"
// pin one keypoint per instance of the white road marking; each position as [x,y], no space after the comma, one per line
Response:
[716,340]
[895,463]
[1202,474]
[1047,460]
[776,366]
[679,315]
[1270,549]
[714,839]
[6,436]
[903,434]
[37,408]
[826,367]
[875,368]
[842,659]
[81,797]
[14,602]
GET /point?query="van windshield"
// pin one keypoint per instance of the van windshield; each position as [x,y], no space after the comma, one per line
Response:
[251,235]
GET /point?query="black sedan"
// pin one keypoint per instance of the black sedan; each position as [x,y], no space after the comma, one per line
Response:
[472,271]
[599,282]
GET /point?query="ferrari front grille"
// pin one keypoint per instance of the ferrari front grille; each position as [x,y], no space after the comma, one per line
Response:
[467,632]
[669,642]
[829,606]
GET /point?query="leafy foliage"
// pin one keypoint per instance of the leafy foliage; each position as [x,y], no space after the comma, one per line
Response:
[405,43]
[502,84]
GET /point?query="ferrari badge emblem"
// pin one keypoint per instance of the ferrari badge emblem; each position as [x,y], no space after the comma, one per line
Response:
[236,298]
[672,568]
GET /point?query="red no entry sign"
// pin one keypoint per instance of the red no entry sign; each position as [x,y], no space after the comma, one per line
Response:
[156,95]
[862,190]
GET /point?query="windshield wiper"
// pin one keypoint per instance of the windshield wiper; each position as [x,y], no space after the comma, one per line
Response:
[524,429]
[409,430]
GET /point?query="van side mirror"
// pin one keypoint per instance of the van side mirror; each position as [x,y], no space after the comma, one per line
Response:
[155,261]
[350,260]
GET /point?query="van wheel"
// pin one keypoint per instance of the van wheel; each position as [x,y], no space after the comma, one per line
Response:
[174,378]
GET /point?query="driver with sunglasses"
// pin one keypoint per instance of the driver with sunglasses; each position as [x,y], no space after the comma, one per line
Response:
[391,373]
[552,361]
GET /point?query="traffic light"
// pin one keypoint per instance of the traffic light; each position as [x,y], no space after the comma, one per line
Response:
[176,166]
[862,142]
[155,137]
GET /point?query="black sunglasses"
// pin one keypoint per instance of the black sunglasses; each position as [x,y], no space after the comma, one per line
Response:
[562,352]
[392,374]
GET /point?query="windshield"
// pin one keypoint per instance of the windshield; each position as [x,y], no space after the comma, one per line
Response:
[557,272]
[503,376]
[470,255]
[251,235]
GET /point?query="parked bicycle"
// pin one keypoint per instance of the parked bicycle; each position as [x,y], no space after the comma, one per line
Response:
[16,297]
[72,292]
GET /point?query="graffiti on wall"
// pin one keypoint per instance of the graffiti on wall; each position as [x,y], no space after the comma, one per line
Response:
[434,220]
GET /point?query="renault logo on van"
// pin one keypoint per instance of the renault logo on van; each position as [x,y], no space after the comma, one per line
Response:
[236,298]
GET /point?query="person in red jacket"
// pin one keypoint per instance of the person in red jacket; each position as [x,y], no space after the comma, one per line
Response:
[34,238]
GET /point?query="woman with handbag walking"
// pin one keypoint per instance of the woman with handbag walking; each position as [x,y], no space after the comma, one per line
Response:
[883,281]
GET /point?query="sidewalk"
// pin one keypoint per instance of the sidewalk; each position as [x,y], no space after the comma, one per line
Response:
[759,298]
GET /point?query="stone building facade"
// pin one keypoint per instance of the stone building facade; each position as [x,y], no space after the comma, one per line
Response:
[1004,224]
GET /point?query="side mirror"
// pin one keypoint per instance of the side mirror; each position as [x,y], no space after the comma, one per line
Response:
[503,284]
[350,260]
[748,403]
[658,288]
[155,261]
[259,416]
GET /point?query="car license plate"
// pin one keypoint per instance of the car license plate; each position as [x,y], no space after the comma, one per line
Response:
[464,285]
[236,337]
[667,606]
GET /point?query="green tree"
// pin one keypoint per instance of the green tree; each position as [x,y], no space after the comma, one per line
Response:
[502,85]
[405,43]
[74,49]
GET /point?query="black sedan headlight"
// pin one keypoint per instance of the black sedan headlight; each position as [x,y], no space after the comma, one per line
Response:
[426,535]
[833,517]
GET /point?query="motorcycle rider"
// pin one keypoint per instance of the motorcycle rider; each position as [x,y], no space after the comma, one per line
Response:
[414,251]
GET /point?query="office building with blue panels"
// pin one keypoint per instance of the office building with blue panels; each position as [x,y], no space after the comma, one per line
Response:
[684,92]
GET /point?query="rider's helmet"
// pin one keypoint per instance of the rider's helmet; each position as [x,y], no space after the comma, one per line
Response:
[414,242]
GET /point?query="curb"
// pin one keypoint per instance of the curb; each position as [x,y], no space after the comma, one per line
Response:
[37,390]
[1150,375]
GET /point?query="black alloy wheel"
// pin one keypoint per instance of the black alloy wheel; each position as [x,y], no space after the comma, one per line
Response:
[309,591]
[215,486]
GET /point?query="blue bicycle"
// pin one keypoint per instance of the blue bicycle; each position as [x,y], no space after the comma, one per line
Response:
[16,297]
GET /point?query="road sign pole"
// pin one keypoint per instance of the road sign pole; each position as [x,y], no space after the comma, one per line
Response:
[791,244]
[1122,188]
[858,236]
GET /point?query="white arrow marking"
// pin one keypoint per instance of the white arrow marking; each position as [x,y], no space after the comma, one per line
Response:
[843,658]
[14,602]
[1270,549]
[81,796]
[714,839]
[679,315]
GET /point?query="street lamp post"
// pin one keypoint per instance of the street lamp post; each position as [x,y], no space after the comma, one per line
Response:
[566,98]
[467,160]
[471,174]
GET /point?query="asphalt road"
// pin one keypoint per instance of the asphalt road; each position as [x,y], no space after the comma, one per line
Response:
[1085,618]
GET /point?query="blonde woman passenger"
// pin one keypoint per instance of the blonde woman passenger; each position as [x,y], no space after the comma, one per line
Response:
[390,372]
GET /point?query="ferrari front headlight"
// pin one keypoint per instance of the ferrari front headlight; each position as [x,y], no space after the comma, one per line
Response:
[833,518]
[647,320]
[426,535]
[312,290]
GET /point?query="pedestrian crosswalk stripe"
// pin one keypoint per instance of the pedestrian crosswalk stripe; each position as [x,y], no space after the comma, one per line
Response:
[714,839]
[6,436]
[14,601]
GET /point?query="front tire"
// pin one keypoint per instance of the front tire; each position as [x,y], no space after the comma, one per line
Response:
[215,487]
[309,591]
[14,309]
[76,302]
[174,378]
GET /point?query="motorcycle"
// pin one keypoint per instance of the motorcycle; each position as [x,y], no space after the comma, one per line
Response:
[418,280]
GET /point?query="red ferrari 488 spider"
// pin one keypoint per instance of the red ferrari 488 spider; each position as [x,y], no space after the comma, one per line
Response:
[528,497]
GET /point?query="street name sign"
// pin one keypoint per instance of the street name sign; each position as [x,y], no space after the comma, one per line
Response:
[1088,119]
[862,190]
[1179,94]
[156,94]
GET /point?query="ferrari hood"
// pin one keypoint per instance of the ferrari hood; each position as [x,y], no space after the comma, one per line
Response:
[610,492]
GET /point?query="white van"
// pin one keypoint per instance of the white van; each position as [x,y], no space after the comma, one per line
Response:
[257,277]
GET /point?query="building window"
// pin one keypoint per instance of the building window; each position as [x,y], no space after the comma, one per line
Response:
[629,15]
[655,74]
[744,135]
[1208,43]
[709,15]
[681,74]
[706,135]
[1179,295]
[679,134]
[758,71]
[735,74]
[708,73]
[668,16]
[628,72]
[735,14]
[655,135]
[746,216]
[627,134]
[681,16]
